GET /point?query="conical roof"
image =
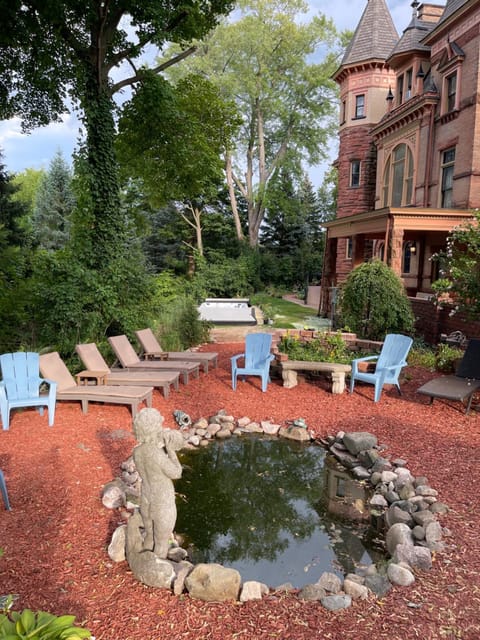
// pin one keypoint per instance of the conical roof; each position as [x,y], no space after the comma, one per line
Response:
[412,35]
[374,37]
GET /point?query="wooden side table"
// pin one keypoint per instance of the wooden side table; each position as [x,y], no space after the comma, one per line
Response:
[99,377]
[155,355]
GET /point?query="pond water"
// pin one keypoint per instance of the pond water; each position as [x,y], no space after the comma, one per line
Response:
[270,509]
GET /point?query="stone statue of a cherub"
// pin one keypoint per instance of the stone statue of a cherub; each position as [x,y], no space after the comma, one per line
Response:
[158,465]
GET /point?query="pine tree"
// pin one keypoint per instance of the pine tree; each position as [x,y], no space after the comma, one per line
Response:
[54,205]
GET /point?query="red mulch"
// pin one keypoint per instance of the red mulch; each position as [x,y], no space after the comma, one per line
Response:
[55,537]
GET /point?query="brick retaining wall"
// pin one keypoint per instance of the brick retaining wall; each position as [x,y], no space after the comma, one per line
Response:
[432,321]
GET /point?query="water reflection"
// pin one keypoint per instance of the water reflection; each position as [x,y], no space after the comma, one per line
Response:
[269,508]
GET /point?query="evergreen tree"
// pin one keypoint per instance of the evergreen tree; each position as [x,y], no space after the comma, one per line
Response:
[13,266]
[327,195]
[53,207]
[292,231]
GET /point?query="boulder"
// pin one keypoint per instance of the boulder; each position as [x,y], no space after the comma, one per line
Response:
[359,441]
[399,533]
[336,602]
[400,575]
[116,548]
[213,583]
[253,590]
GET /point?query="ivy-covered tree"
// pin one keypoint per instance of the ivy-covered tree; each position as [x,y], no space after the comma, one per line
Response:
[373,302]
[54,52]
[54,204]
[459,283]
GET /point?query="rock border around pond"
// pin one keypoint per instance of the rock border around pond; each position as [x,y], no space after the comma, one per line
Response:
[404,511]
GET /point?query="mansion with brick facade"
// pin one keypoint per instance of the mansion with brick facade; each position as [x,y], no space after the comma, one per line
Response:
[409,142]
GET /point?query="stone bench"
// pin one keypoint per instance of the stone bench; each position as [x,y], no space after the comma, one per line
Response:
[337,371]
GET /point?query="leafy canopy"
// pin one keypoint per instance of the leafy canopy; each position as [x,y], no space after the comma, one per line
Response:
[50,47]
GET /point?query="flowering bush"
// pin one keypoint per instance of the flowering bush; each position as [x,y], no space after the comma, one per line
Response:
[460,268]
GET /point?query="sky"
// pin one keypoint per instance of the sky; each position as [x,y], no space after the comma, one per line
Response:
[37,149]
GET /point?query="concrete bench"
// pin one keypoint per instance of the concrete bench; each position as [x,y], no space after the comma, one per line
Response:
[336,371]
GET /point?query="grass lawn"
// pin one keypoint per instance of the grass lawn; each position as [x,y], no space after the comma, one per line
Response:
[287,315]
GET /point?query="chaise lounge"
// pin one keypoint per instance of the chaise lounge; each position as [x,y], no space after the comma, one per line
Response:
[53,367]
[129,360]
[152,350]
[462,386]
[95,363]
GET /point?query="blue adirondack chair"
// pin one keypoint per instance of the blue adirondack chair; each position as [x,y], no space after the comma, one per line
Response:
[20,386]
[3,491]
[389,363]
[257,358]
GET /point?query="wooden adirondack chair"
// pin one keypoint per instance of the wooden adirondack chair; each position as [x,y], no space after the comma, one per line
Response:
[392,358]
[20,386]
[257,358]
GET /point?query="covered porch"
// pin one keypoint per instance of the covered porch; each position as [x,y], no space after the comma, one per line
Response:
[405,238]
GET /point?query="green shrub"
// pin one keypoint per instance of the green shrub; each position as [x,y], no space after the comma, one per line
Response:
[178,325]
[443,358]
[373,302]
[447,357]
[39,626]
[422,356]
[326,348]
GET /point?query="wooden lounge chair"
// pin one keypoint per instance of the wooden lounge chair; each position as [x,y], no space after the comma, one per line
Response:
[462,386]
[95,363]
[53,367]
[129,359]
[152,350]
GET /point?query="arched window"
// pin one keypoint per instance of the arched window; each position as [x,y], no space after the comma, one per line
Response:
[398,177]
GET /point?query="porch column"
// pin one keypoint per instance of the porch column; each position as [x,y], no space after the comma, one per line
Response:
[396,250]
[328,276]
[358,249]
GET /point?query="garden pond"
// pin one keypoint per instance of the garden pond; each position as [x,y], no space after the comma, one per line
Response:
[278,511]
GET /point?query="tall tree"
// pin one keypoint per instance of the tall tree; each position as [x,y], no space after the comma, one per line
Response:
[13,265]
[265,61]
[327,195]
[54,205]
[172,138]
[54,52]
[292,230]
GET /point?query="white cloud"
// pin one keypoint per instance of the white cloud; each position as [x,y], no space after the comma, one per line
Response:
[36,149]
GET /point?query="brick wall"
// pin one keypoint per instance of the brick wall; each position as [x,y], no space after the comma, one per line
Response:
[356,144]
[431,321]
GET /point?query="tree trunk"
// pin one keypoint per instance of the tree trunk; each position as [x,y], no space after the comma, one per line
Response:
[233,198]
